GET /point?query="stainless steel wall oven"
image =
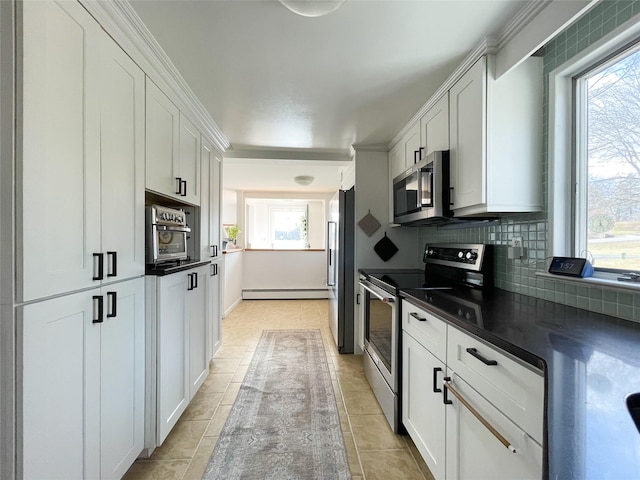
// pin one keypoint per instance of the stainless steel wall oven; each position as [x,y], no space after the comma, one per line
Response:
[166,236]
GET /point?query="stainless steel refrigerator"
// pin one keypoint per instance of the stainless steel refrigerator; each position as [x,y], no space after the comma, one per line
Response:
[340,268]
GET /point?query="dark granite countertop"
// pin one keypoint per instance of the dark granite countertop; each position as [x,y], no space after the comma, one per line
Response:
[591,363]
[169,268]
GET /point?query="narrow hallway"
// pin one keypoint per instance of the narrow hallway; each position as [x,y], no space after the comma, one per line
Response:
[374,452]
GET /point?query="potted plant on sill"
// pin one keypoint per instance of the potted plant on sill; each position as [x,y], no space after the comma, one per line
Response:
[232,232]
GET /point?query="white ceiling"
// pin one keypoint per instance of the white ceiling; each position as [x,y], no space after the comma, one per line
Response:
[275,80]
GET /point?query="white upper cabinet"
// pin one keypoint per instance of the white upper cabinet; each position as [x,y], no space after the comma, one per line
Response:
[172,148]
[496,139]
[210,202]
[122,163]
[58,204]
[162,143]
[79,191]
[434,126]
[189,161]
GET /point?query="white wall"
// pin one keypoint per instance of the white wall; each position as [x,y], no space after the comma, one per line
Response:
[285,274]
[229,207]
[232,281]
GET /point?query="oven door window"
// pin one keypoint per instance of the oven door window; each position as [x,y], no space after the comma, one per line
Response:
[171,243]
[379,328]
[426,187]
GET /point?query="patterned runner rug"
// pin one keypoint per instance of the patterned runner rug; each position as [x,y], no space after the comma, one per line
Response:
[284,423]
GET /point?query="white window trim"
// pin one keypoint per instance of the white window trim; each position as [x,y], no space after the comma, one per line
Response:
[561,139]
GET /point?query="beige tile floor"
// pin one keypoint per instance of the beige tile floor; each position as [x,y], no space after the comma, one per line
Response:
[374,451]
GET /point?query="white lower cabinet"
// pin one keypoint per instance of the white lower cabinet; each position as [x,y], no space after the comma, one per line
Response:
[182,363]
[441,411]
[83,383]
[474,452]
[214,309]
[423,411]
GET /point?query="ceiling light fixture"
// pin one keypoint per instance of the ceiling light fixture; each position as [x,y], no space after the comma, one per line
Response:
[312,8]
[303,180]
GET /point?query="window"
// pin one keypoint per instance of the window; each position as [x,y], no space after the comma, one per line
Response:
[285,223]
[606,204]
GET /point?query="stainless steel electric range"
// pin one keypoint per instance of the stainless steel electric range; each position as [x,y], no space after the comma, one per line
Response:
[448,267]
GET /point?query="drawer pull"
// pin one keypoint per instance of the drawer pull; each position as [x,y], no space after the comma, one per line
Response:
[417,317]
[474,353]
[482,420]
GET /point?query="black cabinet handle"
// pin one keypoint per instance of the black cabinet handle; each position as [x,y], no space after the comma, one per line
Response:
[190,281]
[415,154]
[214,251]
[445,398]
[474,353]
[421,150]
[183,193]
[435,380]
[417,317]
[357,299]
[215,269]
[100,257]
[195,280]
[450,195]
[113,296]
[178,185]
[100,300]
[114,264]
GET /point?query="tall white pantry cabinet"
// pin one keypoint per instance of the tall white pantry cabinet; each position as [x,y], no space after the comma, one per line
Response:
[72,336]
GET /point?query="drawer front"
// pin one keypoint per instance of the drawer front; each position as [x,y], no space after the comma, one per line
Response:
[429,330]
[513,388]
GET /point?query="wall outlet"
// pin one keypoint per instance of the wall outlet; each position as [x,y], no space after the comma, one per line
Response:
[516,242]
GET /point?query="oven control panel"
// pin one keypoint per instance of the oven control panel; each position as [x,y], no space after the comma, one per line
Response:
[465,256]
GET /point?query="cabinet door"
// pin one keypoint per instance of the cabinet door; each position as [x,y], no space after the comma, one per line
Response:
[189,161]
[162,142]
[58,206]
[214,309]
[121,377]
[411,147]
[423,411]
[468,98]
[172,344]
[197,317]
[434,126]
[210,202]
[122,163]
[60,402]
[474,452]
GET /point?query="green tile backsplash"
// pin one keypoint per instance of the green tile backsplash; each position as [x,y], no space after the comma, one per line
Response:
[520,275]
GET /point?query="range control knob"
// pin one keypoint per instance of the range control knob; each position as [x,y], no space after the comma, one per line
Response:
[460,254]
[471,255]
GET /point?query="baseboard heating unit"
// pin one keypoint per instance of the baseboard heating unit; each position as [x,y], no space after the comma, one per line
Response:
[284,293]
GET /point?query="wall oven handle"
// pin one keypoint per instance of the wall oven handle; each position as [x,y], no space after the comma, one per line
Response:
[114,264]
[100,257]
[482,420]
[474,353]
[378,293]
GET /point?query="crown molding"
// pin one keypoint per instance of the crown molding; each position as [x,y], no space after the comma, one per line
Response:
[370,147]
[489,45]
[122,23]
[284,155]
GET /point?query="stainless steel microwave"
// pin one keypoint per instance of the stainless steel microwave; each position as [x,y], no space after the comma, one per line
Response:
[421,194]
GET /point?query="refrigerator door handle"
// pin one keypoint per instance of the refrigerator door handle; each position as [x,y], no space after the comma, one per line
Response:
[331,267]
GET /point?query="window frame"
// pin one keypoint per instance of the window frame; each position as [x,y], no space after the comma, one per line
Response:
[562,138]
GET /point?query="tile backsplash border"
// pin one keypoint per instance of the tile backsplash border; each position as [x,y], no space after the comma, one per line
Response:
[520,275]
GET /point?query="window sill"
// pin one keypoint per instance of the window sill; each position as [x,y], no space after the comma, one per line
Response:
[601,281]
